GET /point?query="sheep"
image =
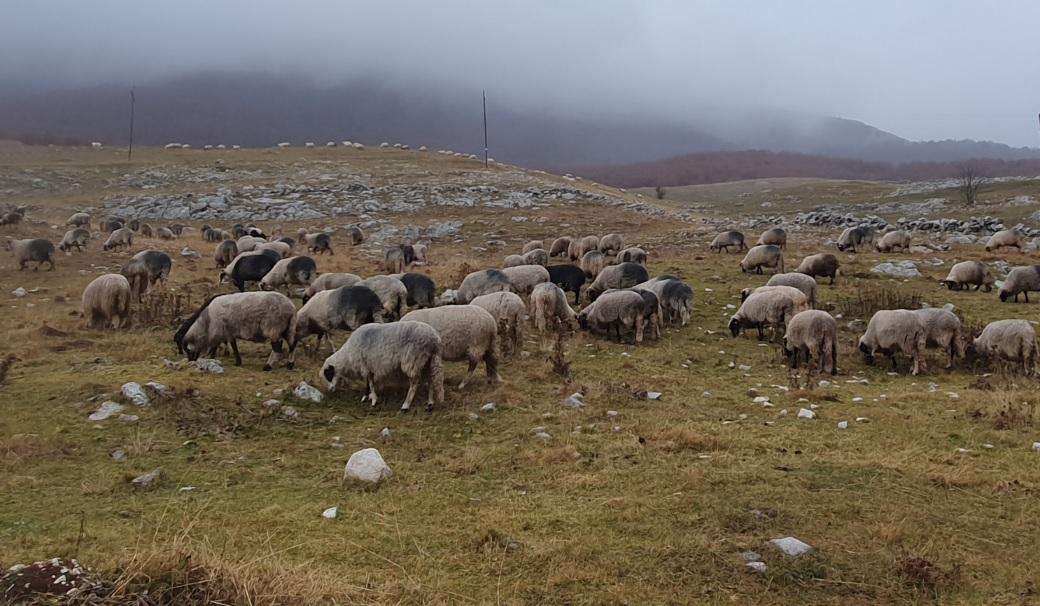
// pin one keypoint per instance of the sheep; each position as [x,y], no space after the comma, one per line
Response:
[106,301]
[891,330]
[253,316]
[892,240]
[593,262]
[110,224]
[509,312]
[806,284]
[525,277]
[967,273]
[943,330]
[467,332]
[611,244]
[248,243]
[282,248]
[216,235]
[249,267]
[1006,237]
[37,250]
[481,283]
[813,333]
[771,306]
[775,235]
[408,251]
[1008,341]
[238,230]
[727,239]
[224,253]
[537,256]
[146,268]
[624,275]
[550,311]
[763,255]
[822,264]
[393,260]
[560,246]
[422,254]
[79,220]
[513,261]
[346,307]
[134,224]
[119,239]
[11,218]
[392,292]
[299,271]
[291,243]
[177,228]
[376,353]
[421,289]
[164,233]
[652,313]
[357,236]
[1021,279]
[328,282]
[74,238]
[316,243]
[147,231]
[855,237]
[675,297]
[570,278]
[632,254]
[532,245]
[574,249]
[614,310]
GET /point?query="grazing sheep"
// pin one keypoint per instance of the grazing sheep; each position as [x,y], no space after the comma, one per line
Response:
[252,316]
[633,254]
[316,243]
[481,283]
[106,301]
[392,292]
[652,313]
[134,224]
[593,262]
[248,243]
[37,250]
[771,306]
[560,246]
[853,238]
[119,239]
[291,243]
[509,312]
[422,254]
[328,282]
[378,353]
[177,228]
[532,245]
[298,271]
[74,238]
[421,289]
[1008,341]
[249,267]
[145,269]
[11,218]
[822,265]
[624,275]
[611,244]
[343,308]
[525,277]
[586,244]
[164,233]
[1006,237]
[568,277]
[727,239]
[356,235]
[968,273]
[892,330]
[79,220]
[804,283]
[210,234]
[513,261]
[238,230]
[763,255]
[224,253]
[147,230]
[775,235]
[393,260]
[813,333]
[282,248]
[409,252]
[614,310]
[675,297]
[892,240]
[467,333]
[1021,279]
[256,232]
[537,256]
[550,311]
[943,330]
[110,224]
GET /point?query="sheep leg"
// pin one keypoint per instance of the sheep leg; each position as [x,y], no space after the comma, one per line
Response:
[761,336]
[275,355]
[413,385]
[373,398]
[639,328]
[469,374]
[238,357]
[1026,295]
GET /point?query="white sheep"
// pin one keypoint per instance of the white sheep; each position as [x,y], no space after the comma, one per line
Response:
[509,312]
[771,306]
[525,277]
[892,330]
[467,333]
[392,292]
[814,334]
[264,317]
[550,312]
[943,330]
[106,301]
[329,281]
[763,255]
[1009,341]
[614,310]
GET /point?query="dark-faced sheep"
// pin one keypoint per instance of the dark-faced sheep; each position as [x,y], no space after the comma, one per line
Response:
[633,254]
[110,224]
[343,308]
[147,230]
[421,289]
[855,238]
[481,283]
[764,255]
[824,265]
[1011,341]
[249,267]
[812,334]
[611,244]
[1006,238]
[74,238]
[293,271]
[570,278]
[675,297]
[146,268]
[392,292]
[1020,280]
[623,275]
[106,302]
[768,306]
[356,235]
[467,333]
[509,312]
[317,243]
[969,273]
[177,228]
[122,238]
[593,262]
[775,235]
[727,239]
[225,253]
[252,316]
[36,250]
[613,311]
[895,330]
[943,330]
[892,240]
[328,282]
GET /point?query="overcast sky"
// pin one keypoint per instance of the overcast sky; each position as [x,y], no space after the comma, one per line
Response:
[923,69]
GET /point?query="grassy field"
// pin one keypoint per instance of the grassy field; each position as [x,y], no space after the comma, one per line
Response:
[932,497]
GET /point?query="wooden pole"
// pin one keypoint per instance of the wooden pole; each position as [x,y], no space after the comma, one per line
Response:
[130,151]
[483,94]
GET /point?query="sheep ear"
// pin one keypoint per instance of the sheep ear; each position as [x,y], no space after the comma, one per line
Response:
[329,372]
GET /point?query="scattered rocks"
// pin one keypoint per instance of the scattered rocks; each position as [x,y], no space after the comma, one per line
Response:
[575,400]
[135,393]
[843,424]
[288,412]
[148,480]
[330,513]
[20,292]
[209,365]
[118,455]
[367,465]
[489,407]
[543,436]
[306,391]
[158,389]
[106,410]
[805,413]
[899,269]
[758,567]
[792,547]
[54,577]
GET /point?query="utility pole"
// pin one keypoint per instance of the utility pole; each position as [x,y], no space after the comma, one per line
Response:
[130,151]
[483,94]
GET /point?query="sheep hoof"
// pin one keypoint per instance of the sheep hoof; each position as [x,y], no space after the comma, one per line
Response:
[267,367]
[290,365]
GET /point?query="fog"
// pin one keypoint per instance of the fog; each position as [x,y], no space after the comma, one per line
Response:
[928,69]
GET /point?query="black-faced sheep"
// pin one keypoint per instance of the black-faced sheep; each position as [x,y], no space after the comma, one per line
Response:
[812,334]
[570,278]
[1020,280]
[249,267]
[611,244]
[145,269]
[119,239]
[481,283]
[110,224]
[727,239]
[1006,238]
[969,273]
[509,312]
[421,289]
[74,238]
[293,271]
[106,302]
[763,255]
[775,235]
[623,275]
[633,254]
[392,292]
[37,250]
[467,332]
[613,311]
[892,240]
[147,231]
[328,282]
[252,316]
[343,308]
[675,297]
[177,228]
[823,265]
[943,330]
[854,238]
[317,243]
[1008,341]
[892,330]
[771,306]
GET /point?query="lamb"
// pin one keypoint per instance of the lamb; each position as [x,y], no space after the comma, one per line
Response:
[37,250]
[763,255]
[467,332]
[727,239]
[624,275]
[356,235]
[611,243]
[525,277]
[537,256]
[248,243]
[813,333]
[968,273]
[377,353]
[633,254]
[550,311]
[509,312]
[771,306]
[346,307]
[74,238]
[776,236]
[892,330]
[392,292]
[328,282]
[513,261]
[593,262]
[165,233]
[146,268]
[253,316]
[299,271]
[317,243]
[1006,237]
[803,282]
[892,240]
[106,301]
[560,246]
[855,237]
[481,283]
[570,278]
[532,245]
[943,330]
[822,264]
[1020,279]
[421,289]
[614,310]
[675,297]
[1008,341]
[282,248]
[224,253]
[119,239]
[79,220]
[249,267]
[393,260]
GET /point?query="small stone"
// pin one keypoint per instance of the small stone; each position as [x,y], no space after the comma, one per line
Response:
[825,383]
[306,391]
[385,434]
[272,403]
[653,395]
[543,436]
[857,399]
[862,420]
[118,455]
[805,413]
[158,389]
[760,399]
[135,393]
[330,513]
[187,252]
[367,465]
[20,292]
[752,393]
[575,400]
[843,424]
[732,365]
[751,556]
[288,412]
[128,418]
[106,410]
[791,546]
[473,416]
[612,413]
[783,412]
[489,407]
[209,365]
[963,451]
[987,446]
[743,368]
[759,567]
[148,480]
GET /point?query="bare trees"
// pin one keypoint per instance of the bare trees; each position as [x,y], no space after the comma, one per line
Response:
[659,192]
[970,182]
